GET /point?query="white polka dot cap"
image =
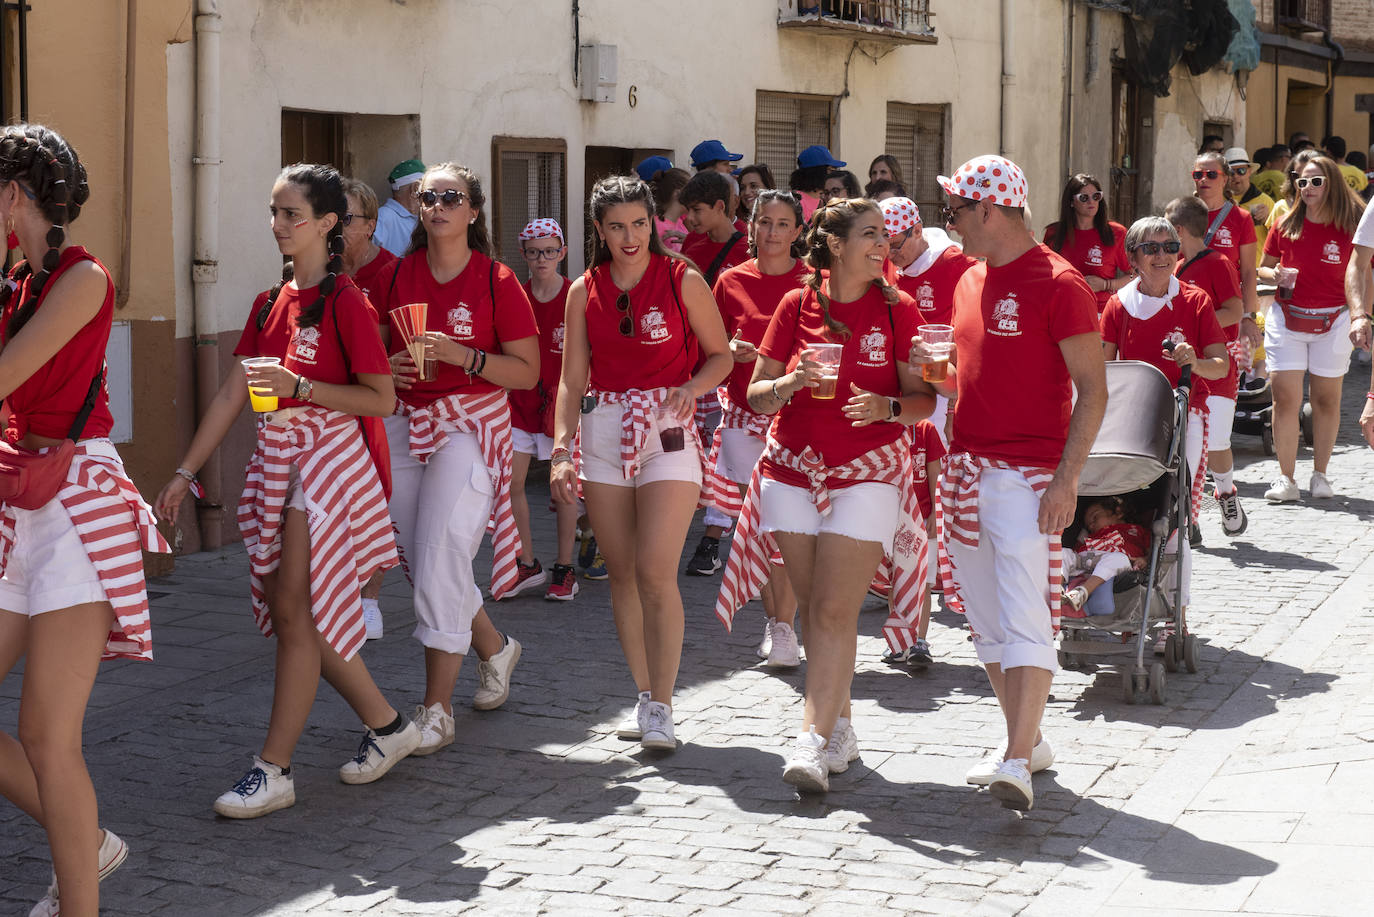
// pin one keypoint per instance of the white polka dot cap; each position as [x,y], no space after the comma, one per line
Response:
[988,177]
[899,214]
[540,229]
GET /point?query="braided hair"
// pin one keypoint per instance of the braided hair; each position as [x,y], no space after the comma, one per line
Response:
[323,188]
[837,220]
[51,175]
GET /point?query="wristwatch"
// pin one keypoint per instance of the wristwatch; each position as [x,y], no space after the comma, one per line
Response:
[303,389]
[895,407]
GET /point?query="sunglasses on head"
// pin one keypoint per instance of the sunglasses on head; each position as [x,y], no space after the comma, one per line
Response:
[1200,174]
[627,324]
[1084,197]
[450,198]
[1154,248]
[1316,181]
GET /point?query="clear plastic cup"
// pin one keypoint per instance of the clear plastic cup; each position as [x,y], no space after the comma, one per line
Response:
[1287,280]
[261,402]
[828,355]
[672,436]
[939,340]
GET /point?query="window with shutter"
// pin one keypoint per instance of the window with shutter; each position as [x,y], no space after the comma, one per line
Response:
[787,123]
[529,181]
[916,135]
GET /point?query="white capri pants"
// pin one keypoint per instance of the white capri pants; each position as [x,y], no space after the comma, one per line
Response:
[440,511]
[1326,355]
[1003,580]
[1221,417]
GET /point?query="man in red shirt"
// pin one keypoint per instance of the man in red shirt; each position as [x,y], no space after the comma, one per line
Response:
[1025,336]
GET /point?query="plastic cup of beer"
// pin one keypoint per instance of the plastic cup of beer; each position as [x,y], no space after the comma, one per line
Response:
[939,340]
[828,355]
[1287,280]
[671,435]
[261,402]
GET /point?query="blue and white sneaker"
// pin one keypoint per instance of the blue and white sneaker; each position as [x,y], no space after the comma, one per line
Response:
[379,754]
[261,791]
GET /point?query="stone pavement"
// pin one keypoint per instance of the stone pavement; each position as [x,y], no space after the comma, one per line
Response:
[1246,792]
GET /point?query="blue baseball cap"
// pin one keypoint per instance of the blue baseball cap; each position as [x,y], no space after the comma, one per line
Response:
[652,166]
[712,151]
[817,155]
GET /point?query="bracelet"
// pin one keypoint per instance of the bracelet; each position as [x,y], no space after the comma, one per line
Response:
[1369,395]
[1358,318]
[481,367]
[470,361]
[558,456]
[778,395]
[188,475]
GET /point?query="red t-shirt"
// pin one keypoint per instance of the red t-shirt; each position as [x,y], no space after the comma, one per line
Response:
[662,351]
[699,247]
[464,310]
[926,447]
[933,288]
[1320,254]
[530,408]
[747,298]
[1190,318]
[374,277]
[314,352]
[1014,388]
[47,402]
[1086,251]
[1216,276]
[1236,230]
[878,337]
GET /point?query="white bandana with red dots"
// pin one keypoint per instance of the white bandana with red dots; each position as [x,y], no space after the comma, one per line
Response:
[541,228]
[988,177]
[899,214]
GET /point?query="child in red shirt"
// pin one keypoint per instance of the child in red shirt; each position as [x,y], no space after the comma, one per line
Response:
[1108,545]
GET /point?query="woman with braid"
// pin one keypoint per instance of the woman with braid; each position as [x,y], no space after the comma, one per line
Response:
[834,490]
[450,440]
[72,590]
[312,513]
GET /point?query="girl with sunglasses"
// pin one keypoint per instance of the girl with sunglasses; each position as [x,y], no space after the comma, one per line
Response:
[1088,240]
[450,440]
[638,323]
[1307,329]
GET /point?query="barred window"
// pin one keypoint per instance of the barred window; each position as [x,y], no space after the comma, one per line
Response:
[916,135]
[787,123]
[529,180]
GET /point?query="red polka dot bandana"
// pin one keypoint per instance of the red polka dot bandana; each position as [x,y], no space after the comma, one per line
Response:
[899,214]
[988,177]
[542,228]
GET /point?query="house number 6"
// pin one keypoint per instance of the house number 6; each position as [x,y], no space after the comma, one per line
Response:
[634,99]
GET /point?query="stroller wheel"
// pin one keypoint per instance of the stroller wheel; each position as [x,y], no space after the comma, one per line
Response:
[1157,686]
[1128,686]
[1190,653]
[1172,653]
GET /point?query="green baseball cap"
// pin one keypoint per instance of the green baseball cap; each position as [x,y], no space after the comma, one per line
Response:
[406,173]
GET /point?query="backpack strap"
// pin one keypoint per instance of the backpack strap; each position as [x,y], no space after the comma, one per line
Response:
[714,270]
[1222,214]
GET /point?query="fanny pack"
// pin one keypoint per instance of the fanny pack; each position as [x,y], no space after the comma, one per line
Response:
[1309,321]
[29,479]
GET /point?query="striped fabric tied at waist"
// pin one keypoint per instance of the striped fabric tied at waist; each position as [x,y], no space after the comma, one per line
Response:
[956,518]
[115,527]
[1106,543]
[350,528]
[725,493]
[1199,476]
[637,407]
[487,416]
[747,569]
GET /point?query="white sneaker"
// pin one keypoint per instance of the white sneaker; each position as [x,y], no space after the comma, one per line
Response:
[1319,487]
[766,647]
[264,789]
[806,769]
[112,854]
[372,618]
[436,728]
[657,727]
[632,727]
[493,676]
[783,654]
[981,774]
[379,754]
[1012,785]
[1076,597]
[1233,518]
[842,748]
[1285,490]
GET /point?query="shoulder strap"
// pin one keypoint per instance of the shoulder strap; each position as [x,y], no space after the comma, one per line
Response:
[84,414]
[1216,223]
[714,269]
[491,291]
[394,274]
[1193,260]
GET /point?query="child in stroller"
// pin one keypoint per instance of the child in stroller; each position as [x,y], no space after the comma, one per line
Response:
[1107,545]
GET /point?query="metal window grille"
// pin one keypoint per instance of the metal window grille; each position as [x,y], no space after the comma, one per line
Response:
[1305,12]
[531,178]
[916,136]
[787,123]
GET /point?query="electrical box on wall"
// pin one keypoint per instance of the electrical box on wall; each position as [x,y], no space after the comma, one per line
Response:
[598,73]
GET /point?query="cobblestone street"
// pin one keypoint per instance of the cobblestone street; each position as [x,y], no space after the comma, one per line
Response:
[1246,792]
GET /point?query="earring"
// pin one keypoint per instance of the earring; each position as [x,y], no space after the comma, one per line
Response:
[472,220]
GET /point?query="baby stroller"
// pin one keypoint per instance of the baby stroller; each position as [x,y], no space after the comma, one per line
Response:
[1139,456]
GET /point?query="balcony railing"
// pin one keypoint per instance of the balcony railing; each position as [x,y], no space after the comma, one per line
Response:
[1304,15]
[898,21]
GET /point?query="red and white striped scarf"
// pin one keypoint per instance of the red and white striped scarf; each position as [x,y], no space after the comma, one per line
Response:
[1109,542]
[1242,352]
[487,416]
[706,405]
[956,517]
[732,417]
[747,569]
[1200,475]
[115,527]
[350,528]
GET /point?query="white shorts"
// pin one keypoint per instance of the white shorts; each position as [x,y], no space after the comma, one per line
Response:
[1003,580]
[865,512]
[538,445]
[601,452]
[48,568]
[295,495]
[739,453]
[1326,355]
[1221,415]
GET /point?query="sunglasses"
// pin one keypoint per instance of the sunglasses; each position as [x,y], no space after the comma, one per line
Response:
[898,239]
[1316,181]
[627,325]
[1240,170]
[952,213]
[348,218]
[1200,174]
[1084,197]
[1154,248]
[449,198]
